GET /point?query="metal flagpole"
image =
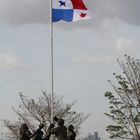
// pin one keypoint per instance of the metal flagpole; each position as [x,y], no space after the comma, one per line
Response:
[52,68]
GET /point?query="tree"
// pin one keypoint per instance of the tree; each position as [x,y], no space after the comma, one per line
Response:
[33,112]
[125,101]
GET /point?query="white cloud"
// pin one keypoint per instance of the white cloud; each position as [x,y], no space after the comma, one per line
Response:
[123,44]
[17,12]
[110,24]
[10,61]
[92,60]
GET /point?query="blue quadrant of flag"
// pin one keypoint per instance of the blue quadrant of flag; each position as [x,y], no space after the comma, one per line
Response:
[62,14]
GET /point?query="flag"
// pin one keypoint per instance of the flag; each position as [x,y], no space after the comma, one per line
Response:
[69,10]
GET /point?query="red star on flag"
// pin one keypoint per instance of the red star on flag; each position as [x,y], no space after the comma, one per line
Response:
[82,15]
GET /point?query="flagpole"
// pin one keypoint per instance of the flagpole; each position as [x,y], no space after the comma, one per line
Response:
[52,65]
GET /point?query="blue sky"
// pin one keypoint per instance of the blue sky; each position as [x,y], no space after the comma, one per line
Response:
[85,54]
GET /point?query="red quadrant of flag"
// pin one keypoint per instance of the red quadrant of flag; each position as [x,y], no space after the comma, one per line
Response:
[78,4]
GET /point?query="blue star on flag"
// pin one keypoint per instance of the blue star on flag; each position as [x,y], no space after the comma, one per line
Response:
[62,3]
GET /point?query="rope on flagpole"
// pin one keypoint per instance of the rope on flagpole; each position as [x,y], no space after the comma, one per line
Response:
[52,68]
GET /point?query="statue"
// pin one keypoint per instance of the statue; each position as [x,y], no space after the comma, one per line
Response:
[25,133]
[71,135]
[60,131]
[39,136]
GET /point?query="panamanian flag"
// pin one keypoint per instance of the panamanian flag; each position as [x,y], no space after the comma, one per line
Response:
[69,10]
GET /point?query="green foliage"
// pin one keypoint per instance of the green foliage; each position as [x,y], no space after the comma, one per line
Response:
[125,101]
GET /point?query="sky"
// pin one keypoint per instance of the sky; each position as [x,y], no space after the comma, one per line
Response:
[85,54]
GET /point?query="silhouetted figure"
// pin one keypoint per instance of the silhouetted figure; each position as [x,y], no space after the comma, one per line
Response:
[39,136]
[25,133]
[60,131]
[71,135]
[55,118]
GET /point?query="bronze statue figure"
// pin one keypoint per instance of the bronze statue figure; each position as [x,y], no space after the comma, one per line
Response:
[71,135]
[60,131]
